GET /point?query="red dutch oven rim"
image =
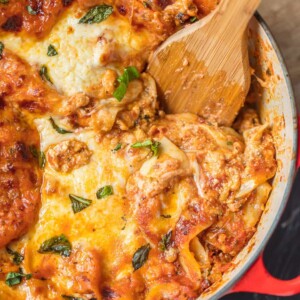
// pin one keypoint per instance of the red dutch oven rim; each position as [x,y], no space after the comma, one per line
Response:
[254,277]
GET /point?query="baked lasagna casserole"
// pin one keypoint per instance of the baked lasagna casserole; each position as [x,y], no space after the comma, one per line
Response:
[102,194]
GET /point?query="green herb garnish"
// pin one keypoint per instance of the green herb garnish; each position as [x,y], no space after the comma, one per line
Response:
[154,148]
[42,159]
[31,11]
[71,297]
[105,191]
[39,155]
[57,244]
[97,14]
[44,74]
[144,144]
[4,1]
[79,203]
[57,128]
[229,143]
[140,257]
[16,256]
[51,51]
[146,4]
[166,216]
[14,278]
[125,220]
[193,19]
[130,73]
[117,148]
[1,49]
[153,145]
[165,241]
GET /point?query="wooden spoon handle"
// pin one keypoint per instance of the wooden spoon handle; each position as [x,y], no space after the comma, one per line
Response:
[234,14]
[230,20]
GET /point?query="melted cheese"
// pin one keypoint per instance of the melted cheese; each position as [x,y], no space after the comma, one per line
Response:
[196,182]
[104,226]
[83,50]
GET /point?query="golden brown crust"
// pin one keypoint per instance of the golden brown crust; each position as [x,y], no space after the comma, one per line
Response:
[14,16]
[20,178]
[22,85]
[194,203]
[160,16]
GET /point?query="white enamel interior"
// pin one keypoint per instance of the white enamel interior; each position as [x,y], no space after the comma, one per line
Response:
[276,107]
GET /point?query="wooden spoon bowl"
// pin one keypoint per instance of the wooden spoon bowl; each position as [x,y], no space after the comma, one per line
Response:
[204,68]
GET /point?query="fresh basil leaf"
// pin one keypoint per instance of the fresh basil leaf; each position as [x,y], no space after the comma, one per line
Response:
[120,92]
[16,256]
[193,19]
[44,74]
[153,145]
[34,151]
[57,244]
[79,203]
[154,148]
[146,4]
[144,144]
[1,49]
[165,241]
[97,14]
[14,278]
[105,191]
[57,128]
[117,148]
[42,159]
[4,1]
[51,51]
[130,73]
[31,11]
[39,155]
[71,297]
[140,257]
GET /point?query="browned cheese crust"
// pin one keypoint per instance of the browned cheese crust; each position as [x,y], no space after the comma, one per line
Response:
[20,177]
[119,177]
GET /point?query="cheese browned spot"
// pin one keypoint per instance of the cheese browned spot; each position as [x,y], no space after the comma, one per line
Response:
[22,85]
[20,177]
[180,211]
[14,15]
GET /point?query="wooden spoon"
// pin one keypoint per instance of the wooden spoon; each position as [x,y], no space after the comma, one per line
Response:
[204,68]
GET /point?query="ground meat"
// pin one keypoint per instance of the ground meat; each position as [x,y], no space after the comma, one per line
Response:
[69,105]
[68,155]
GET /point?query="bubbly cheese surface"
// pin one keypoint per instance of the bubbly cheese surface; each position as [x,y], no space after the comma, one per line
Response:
[84,51]
[163,203]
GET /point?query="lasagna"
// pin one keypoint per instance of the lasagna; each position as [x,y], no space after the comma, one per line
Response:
[102,194]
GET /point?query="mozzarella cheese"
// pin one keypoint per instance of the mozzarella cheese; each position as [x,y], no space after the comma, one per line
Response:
[198,183]
[84,51]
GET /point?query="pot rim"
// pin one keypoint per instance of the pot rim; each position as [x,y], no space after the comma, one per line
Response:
[292,172]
